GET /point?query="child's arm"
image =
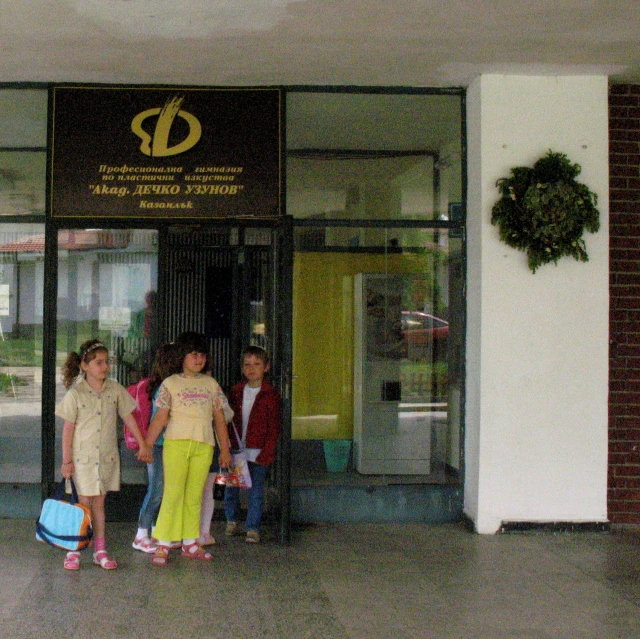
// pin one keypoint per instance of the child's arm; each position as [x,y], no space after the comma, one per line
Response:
[67,448]
[274,427]
[220,425]
[145,453]
[159,421]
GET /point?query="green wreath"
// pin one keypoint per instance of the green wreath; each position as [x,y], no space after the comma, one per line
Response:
[544,211]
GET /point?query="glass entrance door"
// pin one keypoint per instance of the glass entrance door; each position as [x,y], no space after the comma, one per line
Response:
[107,289]
[226,283]
[136,288]
[21,303]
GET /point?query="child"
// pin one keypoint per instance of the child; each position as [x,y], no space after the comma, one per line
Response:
[167,362]
[208,503]
[187,404]
[89,437]
[257,417]
[208,506]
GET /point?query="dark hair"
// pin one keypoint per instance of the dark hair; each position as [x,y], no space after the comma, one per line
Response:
[256,351]
[192,342]
[87,352]
[168,361]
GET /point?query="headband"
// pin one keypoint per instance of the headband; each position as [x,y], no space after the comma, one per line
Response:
[94,347]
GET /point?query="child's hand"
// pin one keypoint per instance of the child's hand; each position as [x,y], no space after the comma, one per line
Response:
[225,458]
[145,454]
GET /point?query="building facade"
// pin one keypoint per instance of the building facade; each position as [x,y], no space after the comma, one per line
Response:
[460,383]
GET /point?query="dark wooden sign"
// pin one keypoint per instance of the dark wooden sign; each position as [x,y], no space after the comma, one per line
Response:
[165,152]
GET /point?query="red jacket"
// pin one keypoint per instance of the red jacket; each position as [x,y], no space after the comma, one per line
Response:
[265,420]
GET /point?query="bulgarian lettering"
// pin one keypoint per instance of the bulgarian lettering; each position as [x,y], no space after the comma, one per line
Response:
[218,169]
[168,188]
[103,189]
[213,189]
[166,152]
[157,189]
[204,175]
[209,178]
[105,168]
[143,178]
[144,204]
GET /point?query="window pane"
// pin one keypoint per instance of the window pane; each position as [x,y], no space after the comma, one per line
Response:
[107,283]
[363,188]
[22,182]
[379,323]
[365,238]
[21,303]
[23,118]
[372,156]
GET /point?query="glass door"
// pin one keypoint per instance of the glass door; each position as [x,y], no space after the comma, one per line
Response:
[134,289]
[229,283]
[107,289]
[21,304]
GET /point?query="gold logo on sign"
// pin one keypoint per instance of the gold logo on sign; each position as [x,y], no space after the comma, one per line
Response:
[157,145]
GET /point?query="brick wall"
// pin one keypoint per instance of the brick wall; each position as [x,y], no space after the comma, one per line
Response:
[624,285]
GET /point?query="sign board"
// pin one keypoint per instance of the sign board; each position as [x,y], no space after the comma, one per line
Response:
[114,318]
[173,152]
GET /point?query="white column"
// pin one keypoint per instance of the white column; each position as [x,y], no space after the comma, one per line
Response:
[537,344]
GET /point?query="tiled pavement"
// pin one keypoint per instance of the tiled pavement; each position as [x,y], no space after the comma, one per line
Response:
[366,581]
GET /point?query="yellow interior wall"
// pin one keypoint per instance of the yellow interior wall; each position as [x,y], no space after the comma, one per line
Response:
[323,337]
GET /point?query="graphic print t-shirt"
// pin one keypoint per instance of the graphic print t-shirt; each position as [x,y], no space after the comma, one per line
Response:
[190,401]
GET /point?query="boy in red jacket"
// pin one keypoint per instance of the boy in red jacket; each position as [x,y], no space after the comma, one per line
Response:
[257,408]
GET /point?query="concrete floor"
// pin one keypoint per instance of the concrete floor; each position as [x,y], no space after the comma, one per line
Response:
[360,581]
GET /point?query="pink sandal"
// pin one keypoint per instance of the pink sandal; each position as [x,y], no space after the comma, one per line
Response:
[72,561]
[161,556]
[195,551]
[103,560]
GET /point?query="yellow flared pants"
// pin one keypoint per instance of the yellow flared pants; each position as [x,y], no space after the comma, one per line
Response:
[186,466]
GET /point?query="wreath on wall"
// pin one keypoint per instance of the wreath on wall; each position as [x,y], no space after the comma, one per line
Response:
[544,211]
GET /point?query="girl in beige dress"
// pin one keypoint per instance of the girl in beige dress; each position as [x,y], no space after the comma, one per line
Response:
[90,411]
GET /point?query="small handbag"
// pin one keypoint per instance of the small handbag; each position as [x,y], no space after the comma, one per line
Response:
[239,475]
[64,524]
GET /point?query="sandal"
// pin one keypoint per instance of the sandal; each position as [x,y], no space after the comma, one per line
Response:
[144,544]
[195,551]
[206,540]
[103,560]
[72,561]
[161,556]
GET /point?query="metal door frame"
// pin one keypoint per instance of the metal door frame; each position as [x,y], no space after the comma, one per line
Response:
[281,267]
[280,272]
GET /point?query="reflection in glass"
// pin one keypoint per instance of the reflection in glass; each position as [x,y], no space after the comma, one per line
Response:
[373,156]
[377,311]
[22,182]
[377,343]
[23,118]
[400,374]
[21,303]
[107,283]
[361,186]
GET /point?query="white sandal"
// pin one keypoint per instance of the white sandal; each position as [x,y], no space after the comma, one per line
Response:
[145,544]
[103,560]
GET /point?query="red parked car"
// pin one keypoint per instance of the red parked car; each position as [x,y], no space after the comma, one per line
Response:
[421,331]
